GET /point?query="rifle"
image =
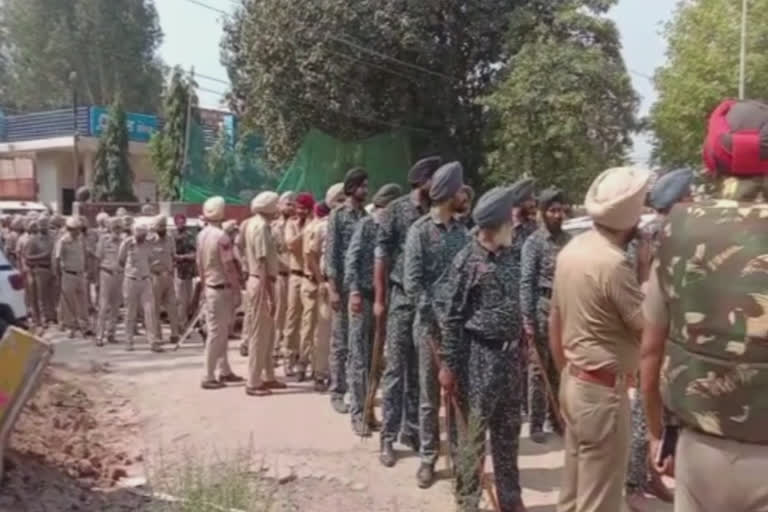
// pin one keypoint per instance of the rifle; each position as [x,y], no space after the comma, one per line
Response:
[539,361]
[374,376]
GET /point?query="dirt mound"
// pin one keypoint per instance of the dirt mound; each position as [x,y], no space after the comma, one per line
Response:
[72,438]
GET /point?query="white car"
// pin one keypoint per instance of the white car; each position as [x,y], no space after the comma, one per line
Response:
[21,207]
[579,225]
[13,309]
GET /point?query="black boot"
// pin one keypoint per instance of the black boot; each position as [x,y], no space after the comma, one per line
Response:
[425,477]
[387,456]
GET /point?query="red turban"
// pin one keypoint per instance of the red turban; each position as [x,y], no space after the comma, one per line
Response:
[306,200]
[321,210]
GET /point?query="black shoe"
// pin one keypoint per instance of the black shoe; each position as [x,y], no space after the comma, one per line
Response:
[411,441]
[321,386]
[212,384]
[425,476]
[231,379]
[301,374]
[539,437]
[387,456]
[337,402]
[359,428]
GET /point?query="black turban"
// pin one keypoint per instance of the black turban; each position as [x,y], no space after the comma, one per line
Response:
[354,178]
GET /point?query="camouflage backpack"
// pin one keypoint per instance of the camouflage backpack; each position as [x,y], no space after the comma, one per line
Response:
[714,269]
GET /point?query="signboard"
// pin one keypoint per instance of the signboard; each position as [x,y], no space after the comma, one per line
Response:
[140,126]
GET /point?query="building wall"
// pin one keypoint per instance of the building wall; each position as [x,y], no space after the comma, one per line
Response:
[53,171]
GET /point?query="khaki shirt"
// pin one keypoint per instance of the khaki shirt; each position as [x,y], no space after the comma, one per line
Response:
[214,253]
[135,257]
[296,257]
[316,242]
[260,246]
[70,253]
[108,251]
[21,245]
[163,254]
[599,300]
[307,236]
[278,233]
[38,251]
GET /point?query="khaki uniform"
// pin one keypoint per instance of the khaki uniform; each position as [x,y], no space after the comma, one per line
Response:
[242,257]
[29,289]
[283,276]
[260,250]
[135,259]
[91,240]
[598,298]
[309,292]
[322,342]
[214,252]
[71,260]
[292,329]
[38,254]
[110,284]
[162,265]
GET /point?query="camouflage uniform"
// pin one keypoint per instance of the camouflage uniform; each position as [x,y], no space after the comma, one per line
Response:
[400,381]
[537,271]
[429,249]
[341,225]
[479,312]
[522,232]
[358,278]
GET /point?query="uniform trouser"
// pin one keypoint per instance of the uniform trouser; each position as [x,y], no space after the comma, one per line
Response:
[184,290]
[219,309]
[489,390]
[425,333]
[109,303]
[360,347]
[74,303]
[137,295]
[281,306]
[400,381]
[30,295]
[165,298]
[339,357]
[292,330]
[309,292]
[44,282]
[261,334]
[713,474]
[597,438]
[637,472]
[320,362]
[538,401]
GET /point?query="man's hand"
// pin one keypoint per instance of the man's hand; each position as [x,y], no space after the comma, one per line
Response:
[447,379]
[667,466]
[379,309]
[334,298]
[355,303]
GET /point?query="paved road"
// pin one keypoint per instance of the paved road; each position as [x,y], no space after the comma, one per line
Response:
[295,428]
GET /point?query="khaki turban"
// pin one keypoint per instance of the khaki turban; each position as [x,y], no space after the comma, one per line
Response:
[616,197]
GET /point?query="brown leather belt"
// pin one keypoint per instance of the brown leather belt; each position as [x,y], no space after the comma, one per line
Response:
[298,273]
[600,376]
[219,286]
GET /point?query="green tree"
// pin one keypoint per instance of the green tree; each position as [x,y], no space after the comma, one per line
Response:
[701,70]
[112,177]
[353,69]
[565,108]
[111,45]
[167,148]
[222,163]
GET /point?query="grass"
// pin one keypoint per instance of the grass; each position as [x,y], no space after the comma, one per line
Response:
[233,483]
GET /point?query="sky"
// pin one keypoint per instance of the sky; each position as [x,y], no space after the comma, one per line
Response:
[193,32]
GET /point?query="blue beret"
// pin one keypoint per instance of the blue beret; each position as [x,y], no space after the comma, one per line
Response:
[670,189]
[523,190]
[423,170]
[387,194]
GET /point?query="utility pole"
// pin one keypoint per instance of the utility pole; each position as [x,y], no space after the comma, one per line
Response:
[75,131]
[185,160]
[743,55]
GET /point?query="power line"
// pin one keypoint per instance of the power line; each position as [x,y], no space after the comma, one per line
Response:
[209,7]
[641,75]
[212,78]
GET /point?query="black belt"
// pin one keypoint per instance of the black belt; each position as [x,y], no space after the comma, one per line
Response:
[503,346]
[137,278]
[72,272]
[283,273]
[106,270]
[297,273]
[218,286]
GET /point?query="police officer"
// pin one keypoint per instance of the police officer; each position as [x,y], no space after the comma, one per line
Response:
[38,254]
[29,292]
[70,259]
[135,257]
[309,304]
[185,268]
[287,207]
[262,264]
[431,245]
[358,279]
[162,266]
[399,382]
[341,225]
[110,281]
[220,279]
[17,228]
[479,308]
[704,344]
[538,258]
[595,322]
